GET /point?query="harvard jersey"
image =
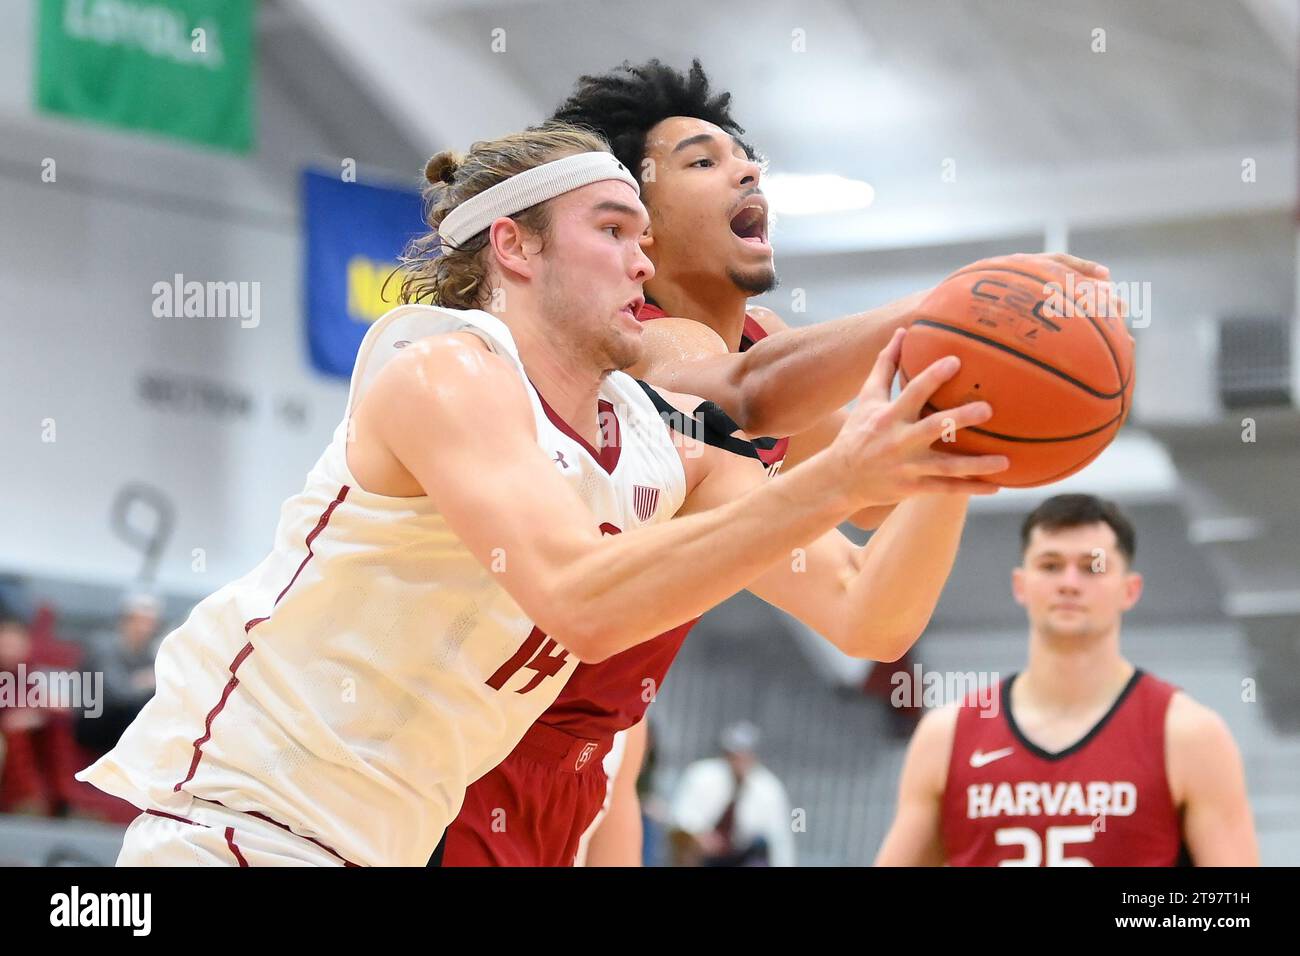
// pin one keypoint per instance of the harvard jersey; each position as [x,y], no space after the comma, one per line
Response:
[351,685]
[1105,801]
[601,699]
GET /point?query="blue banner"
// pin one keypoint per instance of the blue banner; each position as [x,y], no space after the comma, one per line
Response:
[354,234]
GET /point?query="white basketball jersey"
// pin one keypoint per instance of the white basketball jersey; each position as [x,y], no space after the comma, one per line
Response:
[353,684]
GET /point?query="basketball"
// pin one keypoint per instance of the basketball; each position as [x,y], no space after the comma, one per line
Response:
[1049,354]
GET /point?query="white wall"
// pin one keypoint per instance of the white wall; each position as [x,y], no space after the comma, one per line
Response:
[78,260]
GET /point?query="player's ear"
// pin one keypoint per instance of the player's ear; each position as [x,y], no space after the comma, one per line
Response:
[510,247]
[1132,589]
[1018,585]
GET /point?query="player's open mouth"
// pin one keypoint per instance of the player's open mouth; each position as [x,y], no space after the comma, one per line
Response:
[750,223]
[633,307]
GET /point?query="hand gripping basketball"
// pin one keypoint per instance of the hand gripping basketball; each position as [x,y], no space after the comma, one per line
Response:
[885,446]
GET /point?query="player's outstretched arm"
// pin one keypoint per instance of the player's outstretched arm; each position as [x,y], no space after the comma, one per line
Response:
[872,601]
[782,385]
[916,836]
[1209,785]
[457,419]
[789,381]
[671,345]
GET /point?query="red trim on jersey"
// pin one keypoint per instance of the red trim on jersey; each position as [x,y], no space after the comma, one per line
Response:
[230,842]
[287,829]
[752,331]
[252,813]
[248,648]
[320,526]
[607,456]
[212,714]
[172,816]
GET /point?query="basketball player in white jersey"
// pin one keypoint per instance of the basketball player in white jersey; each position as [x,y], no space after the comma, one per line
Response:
[494,481]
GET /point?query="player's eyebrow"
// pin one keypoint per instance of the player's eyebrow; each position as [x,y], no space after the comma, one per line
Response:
[1062,556]
[690,141]
[622,208]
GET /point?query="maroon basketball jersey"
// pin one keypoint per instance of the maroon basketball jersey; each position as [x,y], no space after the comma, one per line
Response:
[1105,801]
[601,699]
[771,451]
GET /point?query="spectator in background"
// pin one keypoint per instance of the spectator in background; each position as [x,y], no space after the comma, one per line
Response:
[14,648]
[9,593]
[20,790]
[731,810]
[125,656]
[14,601]
[38,758]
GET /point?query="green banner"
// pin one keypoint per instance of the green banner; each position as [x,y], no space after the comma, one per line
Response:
[179,67]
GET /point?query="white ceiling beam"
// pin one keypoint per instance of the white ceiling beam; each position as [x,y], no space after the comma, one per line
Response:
[448,90]
[1280,21]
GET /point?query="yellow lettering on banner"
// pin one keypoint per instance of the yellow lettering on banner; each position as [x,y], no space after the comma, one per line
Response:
[367,297]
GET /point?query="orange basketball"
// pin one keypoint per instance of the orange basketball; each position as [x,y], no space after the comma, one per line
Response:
[1058,374]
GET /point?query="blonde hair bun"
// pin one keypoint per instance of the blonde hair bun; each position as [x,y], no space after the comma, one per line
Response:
[442,167]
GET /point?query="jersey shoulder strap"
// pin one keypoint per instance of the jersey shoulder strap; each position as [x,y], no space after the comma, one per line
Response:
[707,423]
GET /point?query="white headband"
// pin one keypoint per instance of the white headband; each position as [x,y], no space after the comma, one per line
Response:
[528,188]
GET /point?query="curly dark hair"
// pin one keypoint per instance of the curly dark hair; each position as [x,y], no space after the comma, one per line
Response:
[624,104]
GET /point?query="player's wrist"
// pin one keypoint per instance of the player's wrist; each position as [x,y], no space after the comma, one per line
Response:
[909,306]
[832,480]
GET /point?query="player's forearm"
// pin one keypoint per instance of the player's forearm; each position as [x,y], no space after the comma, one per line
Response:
[869,519]
[635,586]
[901,573]
[794,379]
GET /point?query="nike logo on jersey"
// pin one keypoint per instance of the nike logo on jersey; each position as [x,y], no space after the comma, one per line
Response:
[559,459]
[979,759]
